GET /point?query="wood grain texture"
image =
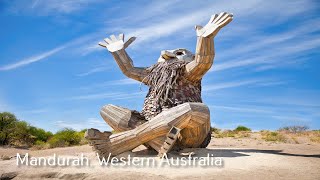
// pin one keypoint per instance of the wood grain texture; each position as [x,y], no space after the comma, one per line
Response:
[204,56]
[170,140]
[122,119]
[171,102]
[193,116]
[126,65]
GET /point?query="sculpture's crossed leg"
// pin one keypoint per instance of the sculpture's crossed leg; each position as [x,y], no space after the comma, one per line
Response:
[123,119]
[192,118]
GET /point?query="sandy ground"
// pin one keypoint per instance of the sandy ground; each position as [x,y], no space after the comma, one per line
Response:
[242,159]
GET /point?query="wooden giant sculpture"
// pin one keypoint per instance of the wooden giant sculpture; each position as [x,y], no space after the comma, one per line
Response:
[173,113]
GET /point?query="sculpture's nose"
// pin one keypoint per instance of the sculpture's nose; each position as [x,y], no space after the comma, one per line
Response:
[167,55]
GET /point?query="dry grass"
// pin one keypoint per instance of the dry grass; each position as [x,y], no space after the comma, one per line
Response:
[230,133]
[280,136]
[314,136]
[273,136]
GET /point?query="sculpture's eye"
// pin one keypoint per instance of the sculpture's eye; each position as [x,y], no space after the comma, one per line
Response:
[179,53]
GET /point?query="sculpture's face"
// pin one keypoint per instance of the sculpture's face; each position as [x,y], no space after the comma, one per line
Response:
[176,54]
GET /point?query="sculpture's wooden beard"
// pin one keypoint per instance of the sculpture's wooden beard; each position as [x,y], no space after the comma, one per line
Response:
[168,88]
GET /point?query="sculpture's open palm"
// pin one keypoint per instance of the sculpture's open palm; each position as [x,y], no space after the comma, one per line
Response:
[214,25]
[116,43]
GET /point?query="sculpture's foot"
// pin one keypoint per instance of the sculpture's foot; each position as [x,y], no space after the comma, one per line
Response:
[100,141]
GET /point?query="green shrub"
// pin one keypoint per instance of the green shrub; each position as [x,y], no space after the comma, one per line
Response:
[40,134]
[15,132]
[21,135]
[65,137]
[241,128]
[40,145]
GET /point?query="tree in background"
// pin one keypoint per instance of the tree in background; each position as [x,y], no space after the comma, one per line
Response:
[16,132]
[7,126]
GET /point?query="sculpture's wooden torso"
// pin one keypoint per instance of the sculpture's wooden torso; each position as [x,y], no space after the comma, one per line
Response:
[180,90]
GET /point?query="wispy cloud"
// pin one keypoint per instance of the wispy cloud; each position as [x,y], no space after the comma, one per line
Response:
[94,70]
[32,59]
[46,54]
[292,119]
[119,82]
[88,123]
[110,95]
[225,85]
[45,7]
[272,49]
[241,109]
[34,111]
[122,82]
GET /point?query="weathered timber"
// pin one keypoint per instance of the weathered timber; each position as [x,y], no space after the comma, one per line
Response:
[174,97]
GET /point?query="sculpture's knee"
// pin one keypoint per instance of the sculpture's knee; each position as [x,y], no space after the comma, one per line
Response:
[198,110]
[198,125]
[116,117]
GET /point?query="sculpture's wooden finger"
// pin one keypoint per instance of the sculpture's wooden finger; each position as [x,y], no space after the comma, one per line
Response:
[129,42]
[107,40]
[219,17]
[102,44]
[121,36]
[113,38]
[223,18]
[225,22]
[213,17]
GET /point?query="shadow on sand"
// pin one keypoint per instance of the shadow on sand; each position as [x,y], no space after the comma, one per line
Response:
[228,152]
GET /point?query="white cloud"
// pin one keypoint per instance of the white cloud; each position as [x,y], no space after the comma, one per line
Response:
[270,56]
[32,59]
[123,82]
[119,82]
[50,7]
[241,109]
[45,55]
[225,85]
[85,124]
[293,120]
[34,111]
[94,70]
[110,95]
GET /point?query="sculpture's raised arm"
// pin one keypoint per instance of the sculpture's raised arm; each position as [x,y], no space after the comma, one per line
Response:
[117,46]
[204,55]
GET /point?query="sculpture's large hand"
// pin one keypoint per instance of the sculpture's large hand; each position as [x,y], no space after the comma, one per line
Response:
[116,43]
[214,25]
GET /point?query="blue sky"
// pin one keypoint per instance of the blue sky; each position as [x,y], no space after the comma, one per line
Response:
[54,75]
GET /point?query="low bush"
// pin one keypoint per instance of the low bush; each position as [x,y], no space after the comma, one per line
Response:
[273,136]
[65,137]
[40,145]
[242,128]
[225,133]
[239,132]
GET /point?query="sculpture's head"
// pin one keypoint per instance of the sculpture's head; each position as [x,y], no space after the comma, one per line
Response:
[176,54]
